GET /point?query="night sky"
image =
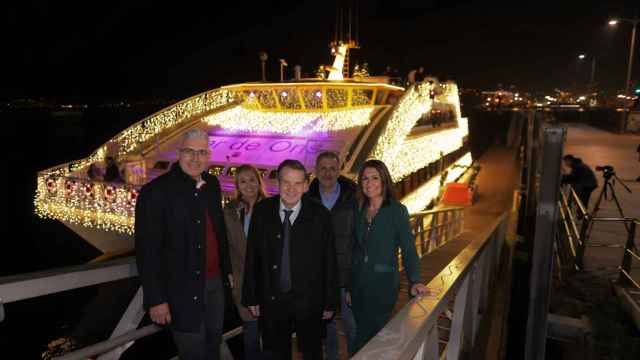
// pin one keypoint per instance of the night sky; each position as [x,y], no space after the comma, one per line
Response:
[153,49]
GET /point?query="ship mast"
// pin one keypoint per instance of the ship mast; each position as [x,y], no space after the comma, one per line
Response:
[343,41]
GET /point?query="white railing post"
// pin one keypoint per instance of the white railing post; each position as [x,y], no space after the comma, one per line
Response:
[129,321]
[476,290]
[457,339]
[431,346]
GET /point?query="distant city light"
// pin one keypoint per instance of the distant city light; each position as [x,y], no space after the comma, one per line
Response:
[613,22]
[581,56]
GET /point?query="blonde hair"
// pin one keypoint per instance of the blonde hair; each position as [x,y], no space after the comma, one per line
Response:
[237,196]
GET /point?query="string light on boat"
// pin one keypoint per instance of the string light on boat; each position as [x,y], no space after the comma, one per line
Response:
[241,119]
[411,106]
[430,147]
[136,135]
[417,199]
[112,211]
[404,156]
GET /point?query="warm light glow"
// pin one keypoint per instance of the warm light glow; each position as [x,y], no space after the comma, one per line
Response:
[404,156]
[338,63]
[581,56]
[613,22]
[105,206]
[422,196]
[241,119]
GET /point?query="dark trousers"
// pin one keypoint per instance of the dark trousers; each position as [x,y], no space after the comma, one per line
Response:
[281,320]
[205,344]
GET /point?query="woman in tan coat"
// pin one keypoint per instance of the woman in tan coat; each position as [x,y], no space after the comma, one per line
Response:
[237,216]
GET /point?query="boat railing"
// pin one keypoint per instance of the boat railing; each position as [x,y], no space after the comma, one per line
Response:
[414,332]
[434,228]
[31,285]
[573,242]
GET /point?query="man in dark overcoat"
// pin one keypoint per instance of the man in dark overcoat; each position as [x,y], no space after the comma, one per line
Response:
[337,194]
[182,251]
[290,269]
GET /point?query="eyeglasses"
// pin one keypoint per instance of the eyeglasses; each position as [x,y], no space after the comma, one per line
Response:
[194,152]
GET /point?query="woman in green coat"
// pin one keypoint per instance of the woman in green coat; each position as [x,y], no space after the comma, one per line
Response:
[382,227]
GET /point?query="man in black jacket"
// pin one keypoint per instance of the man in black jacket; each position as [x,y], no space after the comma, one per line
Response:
[182,251]
[290,266]
[337,193]
[580,177]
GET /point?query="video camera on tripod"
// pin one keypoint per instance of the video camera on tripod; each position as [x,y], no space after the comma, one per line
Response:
[607,171]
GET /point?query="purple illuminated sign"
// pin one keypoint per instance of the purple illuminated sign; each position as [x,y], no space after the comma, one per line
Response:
[268,150]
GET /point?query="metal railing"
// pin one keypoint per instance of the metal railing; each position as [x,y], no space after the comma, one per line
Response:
[31,285]
[575,239]
[434,228]
[414,332]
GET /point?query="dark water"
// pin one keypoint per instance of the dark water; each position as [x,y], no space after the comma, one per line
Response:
[36,140]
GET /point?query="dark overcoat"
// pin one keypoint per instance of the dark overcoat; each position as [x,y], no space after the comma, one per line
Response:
[170,238]
[313,258]
[343,219]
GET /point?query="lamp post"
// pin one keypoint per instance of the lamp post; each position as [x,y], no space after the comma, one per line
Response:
[634,22]
[263,59]
[283,63]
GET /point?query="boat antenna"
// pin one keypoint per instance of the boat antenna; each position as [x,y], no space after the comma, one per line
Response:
[357,22]
[349,33]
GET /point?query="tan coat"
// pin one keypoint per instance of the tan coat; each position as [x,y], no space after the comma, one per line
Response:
[237,250]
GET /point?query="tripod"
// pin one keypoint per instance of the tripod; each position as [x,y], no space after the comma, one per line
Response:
[610,179]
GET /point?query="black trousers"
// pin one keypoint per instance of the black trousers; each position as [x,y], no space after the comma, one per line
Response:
[205,344]
[280,320]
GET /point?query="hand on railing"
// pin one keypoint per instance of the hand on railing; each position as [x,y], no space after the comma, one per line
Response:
[418,289]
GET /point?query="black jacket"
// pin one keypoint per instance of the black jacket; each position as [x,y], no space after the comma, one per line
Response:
[313,258]
[581,177]
[170,236]
[342,216]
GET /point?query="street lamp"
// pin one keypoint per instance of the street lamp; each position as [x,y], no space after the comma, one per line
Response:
[634,22]
[283,63]
[263,59]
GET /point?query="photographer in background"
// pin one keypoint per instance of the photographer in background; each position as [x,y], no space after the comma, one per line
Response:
[580,177]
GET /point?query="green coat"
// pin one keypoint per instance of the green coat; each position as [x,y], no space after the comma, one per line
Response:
[375,282]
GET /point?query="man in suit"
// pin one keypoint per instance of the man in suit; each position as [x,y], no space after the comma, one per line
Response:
[290,267]
[182,251]
[337,194]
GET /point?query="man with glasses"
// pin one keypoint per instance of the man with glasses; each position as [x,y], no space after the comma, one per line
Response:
[182,251]
[290,266]
[337,194]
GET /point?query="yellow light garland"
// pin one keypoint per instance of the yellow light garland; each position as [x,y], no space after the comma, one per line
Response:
[241,119]
[422,196]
